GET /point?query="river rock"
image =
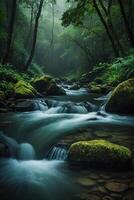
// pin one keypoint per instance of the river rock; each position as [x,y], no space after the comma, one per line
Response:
[24,90]
[75,87]
[26,105]
[86,182]
[87,196]
[116,187]
[47,85]
[122,98]
[100,153]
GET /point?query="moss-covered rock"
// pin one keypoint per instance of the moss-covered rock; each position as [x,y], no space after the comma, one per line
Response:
[47,85]
[23,89]
[122,98]
[100,153]
[42,83]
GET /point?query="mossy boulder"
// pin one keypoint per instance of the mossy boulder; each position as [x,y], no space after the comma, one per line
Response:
[100,153]
[47,85]
[42,83]
[23,89]
[122,98]
[99,88]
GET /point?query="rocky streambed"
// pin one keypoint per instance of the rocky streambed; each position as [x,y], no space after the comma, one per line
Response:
[52,125]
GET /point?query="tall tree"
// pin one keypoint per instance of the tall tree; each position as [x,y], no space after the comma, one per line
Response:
[107,12]
[106,27]
[126,23]
[10,31]
[34,36]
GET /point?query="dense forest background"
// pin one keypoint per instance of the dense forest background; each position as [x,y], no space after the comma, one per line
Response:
[68,38]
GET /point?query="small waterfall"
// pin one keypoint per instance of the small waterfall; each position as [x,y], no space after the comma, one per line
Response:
[26,152]
[58,152]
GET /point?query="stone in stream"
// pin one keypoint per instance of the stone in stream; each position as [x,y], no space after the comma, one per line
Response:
[116,187]
[26,105]
[86,182]
[24,90]
[122,98]
[87,196]
[100,154]
[8,146]
[47,85]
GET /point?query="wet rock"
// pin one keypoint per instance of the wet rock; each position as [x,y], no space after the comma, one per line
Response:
[30,105]
[129,196]
[100,153]
[116,187]
[122,98]
[107,198]
[54,89]
[86,196]
[8,146]
[86,182]
[94,176]
[75,87]
[47,85]
[24,90]
[4,150]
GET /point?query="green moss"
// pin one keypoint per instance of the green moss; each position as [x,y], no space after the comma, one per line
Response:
[122,98]
[100,153]
[23,89]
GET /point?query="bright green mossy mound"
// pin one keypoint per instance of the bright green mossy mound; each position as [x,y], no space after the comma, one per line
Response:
[122,98]
[100,153]
[47,85]
[23,89]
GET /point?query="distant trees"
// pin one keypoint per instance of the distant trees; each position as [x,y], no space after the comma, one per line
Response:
[76,15]
[10,31]
[28,62]
[127,24]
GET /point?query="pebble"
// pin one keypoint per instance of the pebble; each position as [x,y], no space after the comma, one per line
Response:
[116,187]
[86,182]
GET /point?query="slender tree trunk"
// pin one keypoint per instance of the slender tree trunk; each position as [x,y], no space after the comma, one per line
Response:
[34,36]
[126,22]
[30,29]
[107,12]
[106,27]
[10,32]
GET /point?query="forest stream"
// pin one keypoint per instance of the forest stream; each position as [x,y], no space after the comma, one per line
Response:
[38,168]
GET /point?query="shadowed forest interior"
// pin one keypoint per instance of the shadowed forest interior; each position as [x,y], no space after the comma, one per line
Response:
[67,99]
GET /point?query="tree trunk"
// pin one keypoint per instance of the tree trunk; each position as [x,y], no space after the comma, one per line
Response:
[126,22]
[107,12]
[26,45]
[106,27]
[34,36]
[10,32]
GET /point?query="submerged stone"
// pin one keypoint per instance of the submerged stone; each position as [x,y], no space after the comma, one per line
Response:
[122,98]
[116,187]
[100,153]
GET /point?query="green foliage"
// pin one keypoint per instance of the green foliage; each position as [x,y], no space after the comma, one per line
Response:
[115,72]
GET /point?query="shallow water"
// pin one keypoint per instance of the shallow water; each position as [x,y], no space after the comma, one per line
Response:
[38,131]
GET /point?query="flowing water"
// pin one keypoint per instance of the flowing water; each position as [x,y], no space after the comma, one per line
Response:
[38,168]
